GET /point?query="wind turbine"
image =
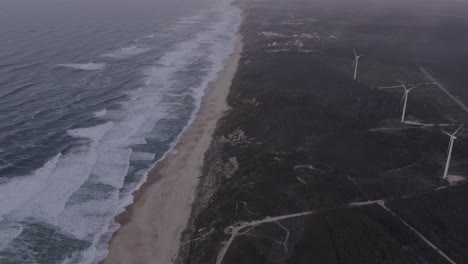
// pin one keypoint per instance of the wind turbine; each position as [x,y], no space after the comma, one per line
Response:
[356,63]
[449,156]
[404,99]
[291,17]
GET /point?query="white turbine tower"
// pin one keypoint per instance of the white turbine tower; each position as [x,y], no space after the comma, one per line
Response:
[404,99]
[356,63]
[449,155]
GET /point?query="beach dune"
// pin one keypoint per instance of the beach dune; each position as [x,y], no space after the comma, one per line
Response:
[151,227]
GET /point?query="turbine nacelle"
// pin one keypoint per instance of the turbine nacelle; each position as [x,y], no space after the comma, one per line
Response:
[356,57]
[450,135]
[453,135]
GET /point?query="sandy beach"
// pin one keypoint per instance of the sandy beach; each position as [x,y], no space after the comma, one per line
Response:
[151,227]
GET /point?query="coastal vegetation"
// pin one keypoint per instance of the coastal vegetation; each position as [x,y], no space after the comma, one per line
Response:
[314,139]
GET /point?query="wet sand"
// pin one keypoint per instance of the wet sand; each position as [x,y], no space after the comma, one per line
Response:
[151,227]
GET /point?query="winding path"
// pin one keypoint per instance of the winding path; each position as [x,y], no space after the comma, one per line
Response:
[235,230]
[243,228]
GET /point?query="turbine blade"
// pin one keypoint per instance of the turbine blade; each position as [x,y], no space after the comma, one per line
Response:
[403,85]
[355,53]
[423,84]
[390,87]
[447,133]
[458,130]
[451,119]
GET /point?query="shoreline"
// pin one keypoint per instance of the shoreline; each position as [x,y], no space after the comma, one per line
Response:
[145,237]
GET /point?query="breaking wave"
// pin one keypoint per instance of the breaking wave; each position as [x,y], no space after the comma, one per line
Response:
[84,66]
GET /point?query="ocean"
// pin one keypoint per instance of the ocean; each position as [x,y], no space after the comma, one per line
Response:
[92,94]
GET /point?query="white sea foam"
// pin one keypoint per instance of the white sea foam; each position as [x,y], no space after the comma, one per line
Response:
[187,21]
[69,173]
[94,133]
[18,192]
[142,156]
[126,52]
[84,66]
[191,19]
[100,113]
[9,232]
[29,186]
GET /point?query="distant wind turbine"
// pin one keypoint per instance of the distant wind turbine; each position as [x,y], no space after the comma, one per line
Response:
[356,63]
[290,14]
[449,156]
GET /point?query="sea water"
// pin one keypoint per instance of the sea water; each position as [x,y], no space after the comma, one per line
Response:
[92,95]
